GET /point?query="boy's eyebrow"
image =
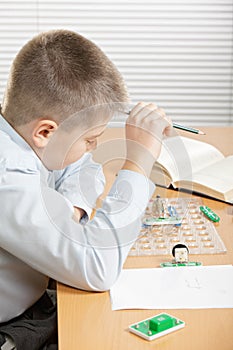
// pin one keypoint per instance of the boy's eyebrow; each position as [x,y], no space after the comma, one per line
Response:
[93,136]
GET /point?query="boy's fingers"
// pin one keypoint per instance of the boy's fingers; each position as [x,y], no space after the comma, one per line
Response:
[137,108]
[155,114]
[141,111]
[149,117]
[161,112]
[146,110]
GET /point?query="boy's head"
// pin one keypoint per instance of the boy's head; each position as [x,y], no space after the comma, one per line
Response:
[57,74]
[54,76]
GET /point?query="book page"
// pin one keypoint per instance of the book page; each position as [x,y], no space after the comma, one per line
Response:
[214,180]
[182,156]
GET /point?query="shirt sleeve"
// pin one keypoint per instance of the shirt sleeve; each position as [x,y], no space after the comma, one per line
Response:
[82,183]
[40,231]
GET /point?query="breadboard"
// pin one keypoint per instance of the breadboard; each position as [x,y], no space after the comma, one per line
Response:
[196,231]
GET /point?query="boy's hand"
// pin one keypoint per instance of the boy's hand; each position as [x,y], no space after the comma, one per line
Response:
[78,214]
[145,128]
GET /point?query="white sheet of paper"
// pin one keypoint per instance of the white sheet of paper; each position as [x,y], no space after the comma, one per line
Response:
[174,288]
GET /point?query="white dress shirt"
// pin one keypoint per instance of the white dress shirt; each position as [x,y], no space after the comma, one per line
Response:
[38,237]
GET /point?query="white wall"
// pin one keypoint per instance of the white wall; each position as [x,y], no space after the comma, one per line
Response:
[178,54]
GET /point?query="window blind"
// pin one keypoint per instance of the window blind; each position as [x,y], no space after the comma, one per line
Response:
[177,53]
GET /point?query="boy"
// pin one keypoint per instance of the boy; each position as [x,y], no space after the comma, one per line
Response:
[49,182]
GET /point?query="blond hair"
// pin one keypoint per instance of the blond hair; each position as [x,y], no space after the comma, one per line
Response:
[57,74]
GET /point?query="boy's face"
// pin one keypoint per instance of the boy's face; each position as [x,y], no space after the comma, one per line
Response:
[66,148]
[86,143]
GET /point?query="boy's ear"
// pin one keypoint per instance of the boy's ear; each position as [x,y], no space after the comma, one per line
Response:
[43,131]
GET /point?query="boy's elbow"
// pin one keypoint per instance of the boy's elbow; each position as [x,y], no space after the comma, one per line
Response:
[101,283]
[90,284]
[103,275]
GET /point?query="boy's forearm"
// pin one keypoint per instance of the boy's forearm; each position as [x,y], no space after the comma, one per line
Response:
[132,166]
[145,128]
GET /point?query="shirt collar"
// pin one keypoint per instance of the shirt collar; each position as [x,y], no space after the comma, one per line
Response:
[9,130]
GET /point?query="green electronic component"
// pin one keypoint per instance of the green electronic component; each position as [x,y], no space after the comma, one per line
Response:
[161,323]
[190,263]
[209,213]
[156,326]
[162,221]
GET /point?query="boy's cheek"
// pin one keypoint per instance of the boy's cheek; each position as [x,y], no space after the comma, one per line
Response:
[62,151]
[74,154]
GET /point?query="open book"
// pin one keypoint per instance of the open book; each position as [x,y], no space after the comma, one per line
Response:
[195,166]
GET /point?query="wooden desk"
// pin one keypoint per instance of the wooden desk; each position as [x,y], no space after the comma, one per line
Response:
[86,321]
